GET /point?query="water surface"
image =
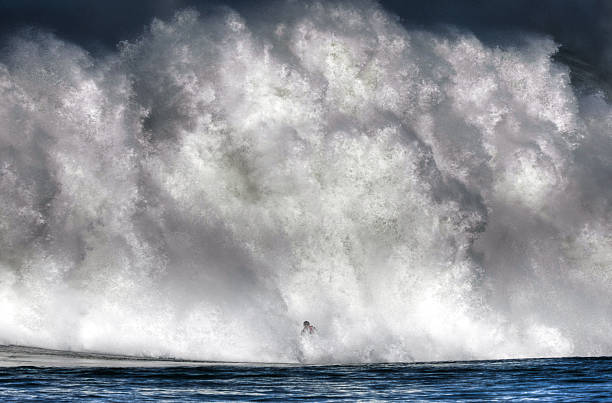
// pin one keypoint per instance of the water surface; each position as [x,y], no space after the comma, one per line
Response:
[68,377]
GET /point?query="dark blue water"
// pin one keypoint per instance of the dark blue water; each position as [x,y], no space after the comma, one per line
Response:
[568,379]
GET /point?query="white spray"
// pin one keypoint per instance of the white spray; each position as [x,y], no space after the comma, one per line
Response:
[204,190]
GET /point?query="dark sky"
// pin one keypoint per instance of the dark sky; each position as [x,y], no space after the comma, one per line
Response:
[583,27]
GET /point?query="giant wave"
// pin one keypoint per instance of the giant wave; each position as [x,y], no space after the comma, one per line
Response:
[204,189]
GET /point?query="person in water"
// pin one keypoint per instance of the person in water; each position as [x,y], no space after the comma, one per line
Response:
[308,328]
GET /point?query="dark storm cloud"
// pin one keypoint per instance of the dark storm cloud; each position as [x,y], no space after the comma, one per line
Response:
[95,25]
[581,26]
[577,23]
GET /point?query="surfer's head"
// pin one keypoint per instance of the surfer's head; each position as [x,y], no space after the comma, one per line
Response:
[306,323]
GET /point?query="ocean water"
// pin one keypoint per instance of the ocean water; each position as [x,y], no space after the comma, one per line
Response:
[198,191]
[552,379]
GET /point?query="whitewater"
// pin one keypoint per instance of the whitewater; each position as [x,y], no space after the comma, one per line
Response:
[418,195]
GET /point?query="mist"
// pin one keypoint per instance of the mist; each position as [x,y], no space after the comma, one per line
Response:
[418,191]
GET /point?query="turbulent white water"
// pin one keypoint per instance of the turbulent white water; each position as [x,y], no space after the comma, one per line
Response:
[212,184]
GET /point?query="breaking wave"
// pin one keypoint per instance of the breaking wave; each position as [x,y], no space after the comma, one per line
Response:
[203,190]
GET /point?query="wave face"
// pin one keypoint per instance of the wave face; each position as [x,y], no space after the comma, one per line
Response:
[212,184]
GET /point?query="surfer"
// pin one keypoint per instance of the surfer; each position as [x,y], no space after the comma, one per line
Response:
[308,329]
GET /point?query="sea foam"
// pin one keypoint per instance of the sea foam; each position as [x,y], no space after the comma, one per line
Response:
[211,184]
